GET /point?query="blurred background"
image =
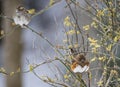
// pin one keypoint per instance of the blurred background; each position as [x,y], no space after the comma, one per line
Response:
[34,49]
[30,47]
[21,48]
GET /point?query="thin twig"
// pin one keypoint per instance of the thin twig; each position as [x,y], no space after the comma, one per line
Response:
[76,23]
[9,33]
[51,82]
[89,78]
[42,63]
[45,9]
[109,79]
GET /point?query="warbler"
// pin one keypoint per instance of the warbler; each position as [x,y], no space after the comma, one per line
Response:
[22,16]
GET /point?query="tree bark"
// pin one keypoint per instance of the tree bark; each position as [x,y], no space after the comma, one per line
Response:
[12,46]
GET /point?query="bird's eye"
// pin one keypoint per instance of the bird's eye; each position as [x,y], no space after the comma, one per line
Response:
[20,8]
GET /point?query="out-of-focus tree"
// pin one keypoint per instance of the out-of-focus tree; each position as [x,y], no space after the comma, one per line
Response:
[12,46]
[0,17]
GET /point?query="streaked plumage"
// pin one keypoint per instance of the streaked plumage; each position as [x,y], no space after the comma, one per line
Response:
[22,16]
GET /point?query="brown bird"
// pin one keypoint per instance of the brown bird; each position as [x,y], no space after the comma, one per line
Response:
[79,63]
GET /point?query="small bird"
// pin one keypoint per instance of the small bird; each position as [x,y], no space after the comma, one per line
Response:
[22,16]
[79,64]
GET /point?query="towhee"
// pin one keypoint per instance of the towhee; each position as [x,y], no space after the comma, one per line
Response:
[79,63]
